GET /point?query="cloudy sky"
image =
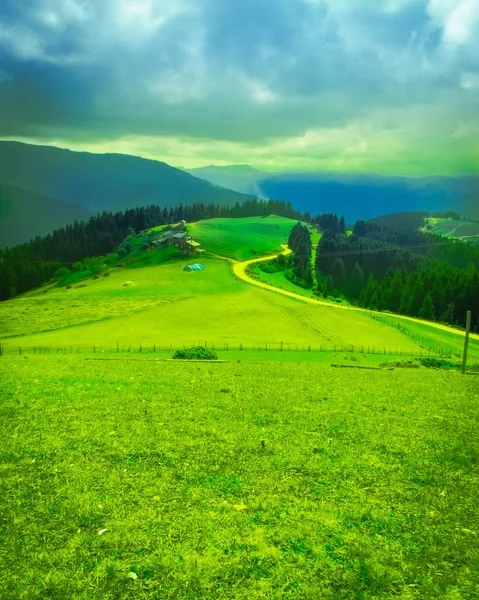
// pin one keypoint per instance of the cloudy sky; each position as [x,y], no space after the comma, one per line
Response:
[389,86]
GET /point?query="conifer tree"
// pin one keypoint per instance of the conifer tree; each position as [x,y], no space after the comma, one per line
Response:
[357,281]
[427,308]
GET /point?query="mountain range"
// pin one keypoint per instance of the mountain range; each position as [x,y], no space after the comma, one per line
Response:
[92,183]
[356,196]
[25,215]
[44,187]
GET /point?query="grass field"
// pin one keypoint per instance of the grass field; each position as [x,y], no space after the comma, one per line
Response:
[449,342]
[242,238]
[169,306]
[419,332]
[449,228]
[236,481]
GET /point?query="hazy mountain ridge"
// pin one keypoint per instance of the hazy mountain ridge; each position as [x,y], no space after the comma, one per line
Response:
[356,195]
[25,215]
[99,182]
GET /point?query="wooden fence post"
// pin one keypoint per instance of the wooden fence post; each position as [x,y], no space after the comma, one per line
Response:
[466,342]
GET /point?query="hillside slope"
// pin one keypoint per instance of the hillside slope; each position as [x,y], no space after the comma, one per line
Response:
[99,182]
[449,228]
[165,305]
[25,215]
[242,238]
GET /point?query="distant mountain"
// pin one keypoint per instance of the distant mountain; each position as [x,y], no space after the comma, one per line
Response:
[357,196]
[104,182]
[241,178]
[25,215]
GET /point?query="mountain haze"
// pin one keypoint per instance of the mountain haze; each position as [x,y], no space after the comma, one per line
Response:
[104,182]
[25,215]
[241,178]
[357,196]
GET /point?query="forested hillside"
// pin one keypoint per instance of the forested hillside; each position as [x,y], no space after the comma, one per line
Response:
[401,270]
[29,265]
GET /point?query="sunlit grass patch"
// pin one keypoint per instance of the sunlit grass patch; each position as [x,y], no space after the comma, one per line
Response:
[242,238]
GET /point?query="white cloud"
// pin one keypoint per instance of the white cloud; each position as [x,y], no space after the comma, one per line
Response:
[470,81]
[458,18]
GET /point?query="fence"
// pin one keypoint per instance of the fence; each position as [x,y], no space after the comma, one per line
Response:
[11,349]
[419,339]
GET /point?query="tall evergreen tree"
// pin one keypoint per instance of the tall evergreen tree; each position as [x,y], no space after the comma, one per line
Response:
[357,281]
[427,308]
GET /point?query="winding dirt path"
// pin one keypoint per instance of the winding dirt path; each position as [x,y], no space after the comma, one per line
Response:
[239,269]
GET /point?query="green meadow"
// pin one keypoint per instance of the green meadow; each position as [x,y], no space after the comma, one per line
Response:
[235,480]
[464,230]
[165,305]
[442,341]
[268,474]
[242,238]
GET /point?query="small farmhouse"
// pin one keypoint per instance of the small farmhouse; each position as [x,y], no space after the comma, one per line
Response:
[189,246]
[177,236]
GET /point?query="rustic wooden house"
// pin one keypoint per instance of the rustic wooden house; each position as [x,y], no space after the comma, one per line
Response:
[189,246]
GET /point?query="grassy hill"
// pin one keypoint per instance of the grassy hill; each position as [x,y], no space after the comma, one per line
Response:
[99,182]
[242,238]
[164,305]
[25,215]
[127,477]
[463,230]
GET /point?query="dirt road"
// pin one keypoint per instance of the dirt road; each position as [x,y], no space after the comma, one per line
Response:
[239,269]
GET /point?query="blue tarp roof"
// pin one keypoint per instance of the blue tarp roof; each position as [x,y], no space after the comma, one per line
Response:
[194,267]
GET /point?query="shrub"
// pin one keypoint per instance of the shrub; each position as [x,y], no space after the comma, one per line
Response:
[96,276]
[437,363]
[81,285]
[106,274]
[196,352]
[401,364]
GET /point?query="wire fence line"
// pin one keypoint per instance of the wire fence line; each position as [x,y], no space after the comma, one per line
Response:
[137,348]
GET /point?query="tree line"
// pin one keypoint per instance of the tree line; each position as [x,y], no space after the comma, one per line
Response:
[400,270]
[29,265]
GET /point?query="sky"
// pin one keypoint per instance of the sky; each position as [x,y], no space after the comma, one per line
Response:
[383,86]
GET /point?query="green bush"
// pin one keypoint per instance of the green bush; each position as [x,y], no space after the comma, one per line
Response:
[437,363]
[196,352]
[401,364]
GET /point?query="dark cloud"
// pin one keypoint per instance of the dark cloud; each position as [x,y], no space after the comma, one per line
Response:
[232,70]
